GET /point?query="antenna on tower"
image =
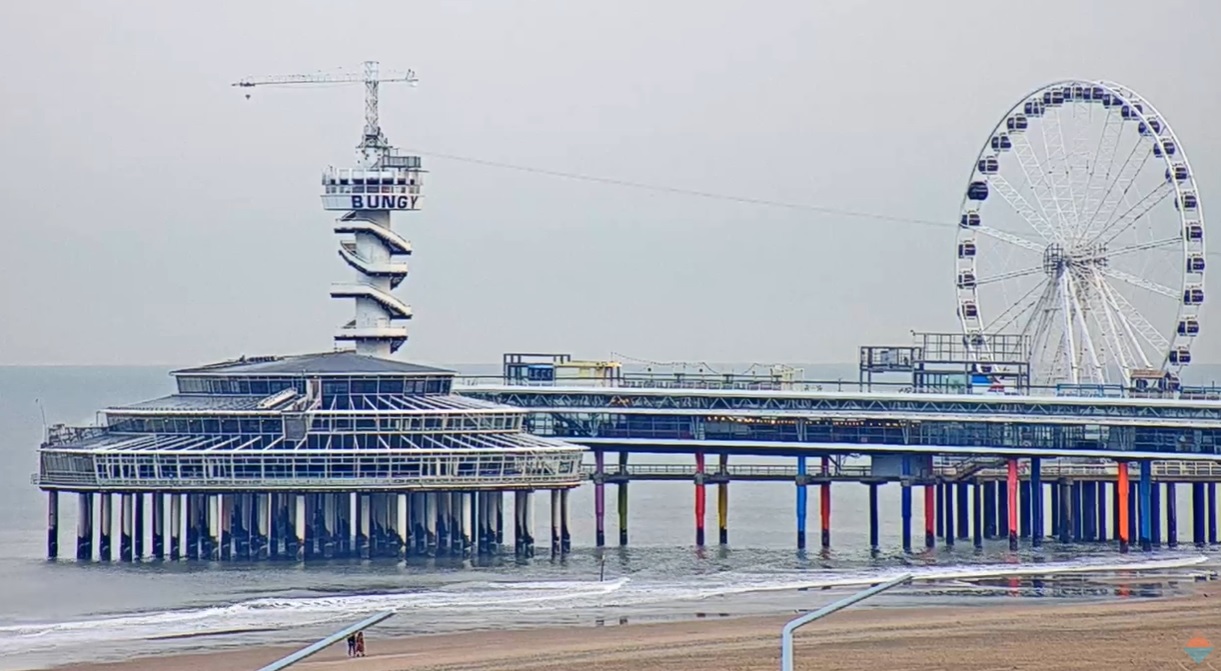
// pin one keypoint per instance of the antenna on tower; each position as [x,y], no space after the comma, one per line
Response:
[373,144]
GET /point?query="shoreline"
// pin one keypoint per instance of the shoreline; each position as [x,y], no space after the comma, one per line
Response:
[1110,634]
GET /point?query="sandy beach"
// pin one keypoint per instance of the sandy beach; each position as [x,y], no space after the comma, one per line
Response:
[1115,635]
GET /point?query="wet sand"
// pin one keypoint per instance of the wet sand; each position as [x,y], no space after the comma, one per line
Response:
[1125,634]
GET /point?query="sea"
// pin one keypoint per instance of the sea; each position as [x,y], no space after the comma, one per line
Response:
[60,612]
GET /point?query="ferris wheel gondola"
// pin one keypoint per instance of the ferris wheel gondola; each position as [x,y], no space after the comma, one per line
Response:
[1081,229]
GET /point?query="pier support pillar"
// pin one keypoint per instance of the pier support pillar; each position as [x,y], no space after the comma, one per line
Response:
[722,501]
[565,536]
[1115,526]
[158,525]
[519,524]
[1012,486]
[801,503]
[1037,525]
[940,510]
[1197,514]
[176,523]
[527,517]
[1068,524]
[1002,510]
[1089,516]
[950,531]
[824,503]
[1100,510]
[431,532]
[445,522]
[1146,505]
[1212,513]
[700,499]
[1155,514]
[52,524]
[459,531]
[299,523]
[1172,516]
[964,503]
[138,528]
[599,498]
[989,495]
[1077,512]
[225,507]
[1122,492]
[84,527]
[215,516]
[622,493]
[874,545]
[1056,510]
[905,502]
[402,526]
[1024,507]
[261,526]
[555,523]
[931,515]
[105,526]
[125,527]
[977,517]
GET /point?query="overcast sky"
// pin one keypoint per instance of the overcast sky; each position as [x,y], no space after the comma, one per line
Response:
[152,214]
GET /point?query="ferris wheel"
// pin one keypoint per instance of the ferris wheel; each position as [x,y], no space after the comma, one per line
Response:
[1082,232]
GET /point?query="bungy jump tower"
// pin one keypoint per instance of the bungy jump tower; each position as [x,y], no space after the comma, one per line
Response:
[342,453]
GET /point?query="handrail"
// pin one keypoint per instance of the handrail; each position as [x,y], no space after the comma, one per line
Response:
[786,635]
[285,662]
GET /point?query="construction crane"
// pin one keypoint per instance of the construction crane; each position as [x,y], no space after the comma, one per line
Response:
[374,145]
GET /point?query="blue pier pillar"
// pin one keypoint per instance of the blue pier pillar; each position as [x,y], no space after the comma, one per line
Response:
[191,542]
[1100,510]
[1002,510]
[1197,514]
[1212,513]
[1066,512]
[1077,513]
[940,510]
[949,513]
[977,517]
[1118,532]
[1036,501]
[1134,512]
[801,503]
[964,502]
[1024,507]
[1146,505]
[1155,515]
[53,524]
[905,501]
[1089,517]
[1172,517]
[989,496]
[873,518]
[157,513]
[138,528]
[1055,509]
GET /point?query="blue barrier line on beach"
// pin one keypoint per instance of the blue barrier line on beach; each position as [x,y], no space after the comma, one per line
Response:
[786,636]
[285,662]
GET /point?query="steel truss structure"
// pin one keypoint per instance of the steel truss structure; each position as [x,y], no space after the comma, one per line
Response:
[1096,252]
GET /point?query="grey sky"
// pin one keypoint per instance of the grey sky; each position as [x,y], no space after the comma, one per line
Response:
[153,215]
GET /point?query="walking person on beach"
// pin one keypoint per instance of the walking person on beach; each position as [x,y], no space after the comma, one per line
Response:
[360,644]
[352,645]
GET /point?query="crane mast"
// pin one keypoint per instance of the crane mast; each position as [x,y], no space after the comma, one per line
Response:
[373,146]
[383,182]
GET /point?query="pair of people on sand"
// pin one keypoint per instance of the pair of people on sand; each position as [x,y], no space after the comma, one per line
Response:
[356,644]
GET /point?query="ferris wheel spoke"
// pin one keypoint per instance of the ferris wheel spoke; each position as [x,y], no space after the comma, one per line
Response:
[1000,277]
[1023,208]
[1066,316]
[1117,191]
[1134,213]
[1036,178]
[1110,339]
[1011,238]
[1140,282]
[1139,247]
[1134,322]
[1016,310]
[1056,176]
[1104,155]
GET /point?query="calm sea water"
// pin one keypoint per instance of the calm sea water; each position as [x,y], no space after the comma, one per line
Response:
[60,612]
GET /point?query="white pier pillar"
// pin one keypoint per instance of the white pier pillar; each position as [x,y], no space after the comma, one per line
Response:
[299,520]
[84,527]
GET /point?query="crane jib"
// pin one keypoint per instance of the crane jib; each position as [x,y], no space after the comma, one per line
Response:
[390,202]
